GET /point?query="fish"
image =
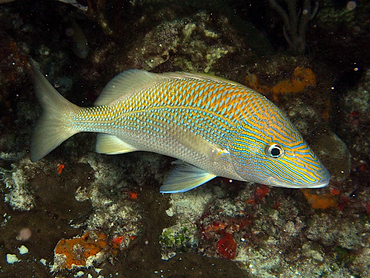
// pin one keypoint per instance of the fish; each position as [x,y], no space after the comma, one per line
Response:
[214,128]
[78,39]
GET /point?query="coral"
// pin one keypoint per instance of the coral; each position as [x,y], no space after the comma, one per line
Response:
[96,12]
[226,246]
[132,195]
[313,251]
[15,55]
[296,21]
[335,233]
[118,240]
[264,230]
[60,168]
[192,44]
[224,229]
[19,196]
[178,238]
[259,194]
[361,260]
[191,206]
[186,209]
[329,15]
[120,212]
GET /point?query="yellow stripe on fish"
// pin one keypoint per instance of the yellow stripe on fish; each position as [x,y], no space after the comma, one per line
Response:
[215,127]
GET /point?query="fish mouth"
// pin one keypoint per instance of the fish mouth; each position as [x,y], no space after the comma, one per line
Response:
[319,184]
[324,181]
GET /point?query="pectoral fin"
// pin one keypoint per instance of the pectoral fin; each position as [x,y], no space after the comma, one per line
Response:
[185,177]
[110,144]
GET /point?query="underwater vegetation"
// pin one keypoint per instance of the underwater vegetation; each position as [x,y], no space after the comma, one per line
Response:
[78,213]
[296,18]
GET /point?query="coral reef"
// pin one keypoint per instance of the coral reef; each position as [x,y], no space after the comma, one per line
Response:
[76,213]
[269,234]
[193,44]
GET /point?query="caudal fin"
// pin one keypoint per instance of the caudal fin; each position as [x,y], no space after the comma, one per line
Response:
[52,128]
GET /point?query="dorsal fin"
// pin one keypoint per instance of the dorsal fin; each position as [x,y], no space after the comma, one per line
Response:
[125,84]
[199,76]
[129,82]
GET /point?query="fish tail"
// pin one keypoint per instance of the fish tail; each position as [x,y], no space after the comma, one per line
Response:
[53,127]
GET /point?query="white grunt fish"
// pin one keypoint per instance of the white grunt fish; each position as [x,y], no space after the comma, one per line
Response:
[215,126]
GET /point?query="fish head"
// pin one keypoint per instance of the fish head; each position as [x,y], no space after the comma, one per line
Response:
[273,152]
[292,165]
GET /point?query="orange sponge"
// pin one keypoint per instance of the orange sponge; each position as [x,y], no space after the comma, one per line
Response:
[301,78]
[322,201]
[78,250]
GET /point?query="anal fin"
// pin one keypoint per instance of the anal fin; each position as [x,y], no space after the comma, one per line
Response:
[110,144]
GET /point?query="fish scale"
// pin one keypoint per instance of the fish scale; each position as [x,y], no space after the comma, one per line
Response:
[215,126]
[159,111]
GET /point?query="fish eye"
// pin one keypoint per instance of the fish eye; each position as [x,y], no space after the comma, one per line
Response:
[274,150]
